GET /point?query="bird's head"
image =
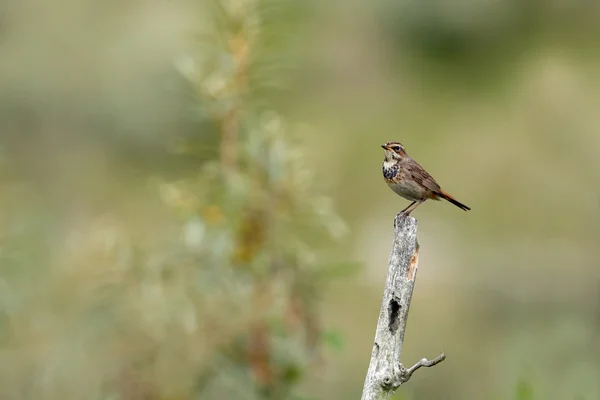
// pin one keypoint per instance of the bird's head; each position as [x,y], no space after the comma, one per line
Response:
[393,151]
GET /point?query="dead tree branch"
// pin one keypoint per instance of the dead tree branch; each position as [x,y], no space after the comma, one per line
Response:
[386,373]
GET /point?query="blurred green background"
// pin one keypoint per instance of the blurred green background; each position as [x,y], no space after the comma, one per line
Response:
[192,204]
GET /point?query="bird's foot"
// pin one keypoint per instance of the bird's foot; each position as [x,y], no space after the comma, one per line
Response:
[401,214]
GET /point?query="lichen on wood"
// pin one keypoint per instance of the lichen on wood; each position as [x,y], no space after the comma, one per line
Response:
[386,373]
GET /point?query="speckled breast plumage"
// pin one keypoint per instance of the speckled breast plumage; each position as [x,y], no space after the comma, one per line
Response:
[390,172]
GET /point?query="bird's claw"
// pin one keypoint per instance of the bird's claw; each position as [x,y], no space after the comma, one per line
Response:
[401,214]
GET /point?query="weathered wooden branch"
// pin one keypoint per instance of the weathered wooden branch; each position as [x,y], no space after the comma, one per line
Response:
[386,373]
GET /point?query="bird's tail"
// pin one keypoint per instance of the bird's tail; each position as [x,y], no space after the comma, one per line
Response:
[452,200]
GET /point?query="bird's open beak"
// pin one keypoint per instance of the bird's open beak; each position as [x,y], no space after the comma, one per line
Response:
[383,146]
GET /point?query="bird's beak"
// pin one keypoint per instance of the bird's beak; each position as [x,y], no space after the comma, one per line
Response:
[383,146]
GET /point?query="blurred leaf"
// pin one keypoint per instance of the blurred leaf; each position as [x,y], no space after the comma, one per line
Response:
[334,339]
[292,374]
[524,390]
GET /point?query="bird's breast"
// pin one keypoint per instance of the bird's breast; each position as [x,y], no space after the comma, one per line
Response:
[389,170]
[397,179]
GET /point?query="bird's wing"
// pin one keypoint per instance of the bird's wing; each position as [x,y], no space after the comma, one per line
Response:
[419,174]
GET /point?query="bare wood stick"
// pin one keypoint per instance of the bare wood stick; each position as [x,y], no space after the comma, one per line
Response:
[386,373]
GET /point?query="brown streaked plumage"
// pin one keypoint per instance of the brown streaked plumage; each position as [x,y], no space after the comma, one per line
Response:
[408,179]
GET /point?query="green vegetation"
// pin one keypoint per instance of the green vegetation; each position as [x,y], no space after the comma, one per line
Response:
[192,206]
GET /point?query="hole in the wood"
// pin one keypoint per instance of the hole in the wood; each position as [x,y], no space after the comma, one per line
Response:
[394,314]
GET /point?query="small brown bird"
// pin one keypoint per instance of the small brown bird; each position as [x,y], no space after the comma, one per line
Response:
[408,179]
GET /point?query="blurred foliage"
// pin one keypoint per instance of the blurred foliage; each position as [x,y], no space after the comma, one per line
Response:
[225,309]
[164,228]
[524,390]
[252,238]
[477,42]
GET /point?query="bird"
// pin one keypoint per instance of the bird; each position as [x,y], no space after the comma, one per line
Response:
[409,179]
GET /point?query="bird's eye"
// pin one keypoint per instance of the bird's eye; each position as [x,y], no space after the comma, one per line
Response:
[397,148]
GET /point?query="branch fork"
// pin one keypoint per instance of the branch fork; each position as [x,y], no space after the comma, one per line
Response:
[402,374]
